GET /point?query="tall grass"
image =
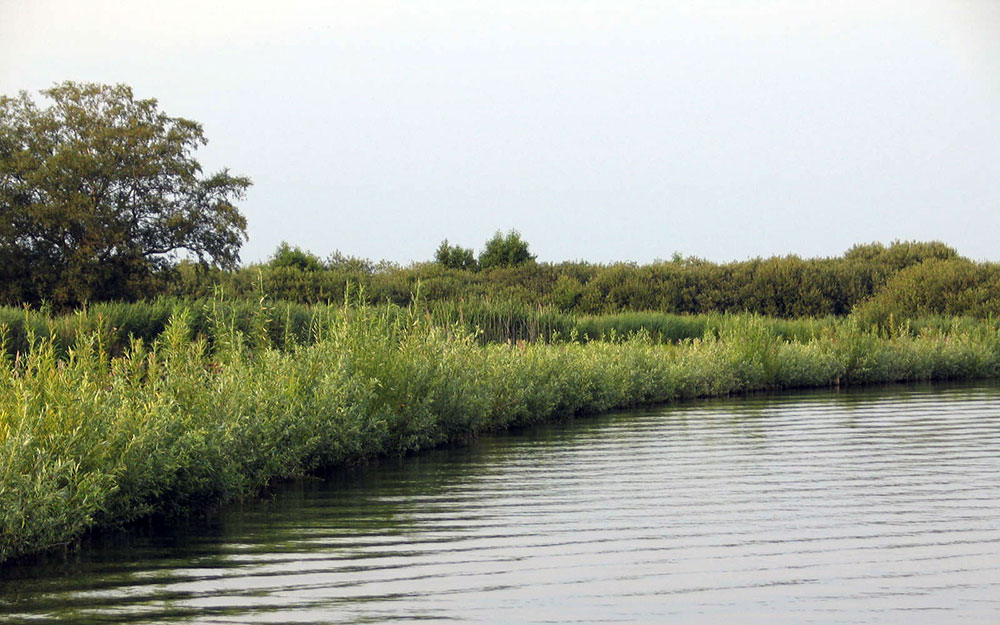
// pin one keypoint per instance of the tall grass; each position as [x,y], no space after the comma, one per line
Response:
[92,437]
[116,324]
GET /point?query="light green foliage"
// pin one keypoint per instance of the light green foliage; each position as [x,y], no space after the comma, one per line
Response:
[98,190]
[900,254]
[935,288]
[505,250]
[90,439]
[566,293]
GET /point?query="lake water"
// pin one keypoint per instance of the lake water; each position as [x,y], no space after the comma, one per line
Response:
[862,506]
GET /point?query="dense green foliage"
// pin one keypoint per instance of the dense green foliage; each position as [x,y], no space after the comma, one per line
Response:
[98,190]
[505,250]
[93,439]
[786,287]
[455,257]
[939,288]
[294,257]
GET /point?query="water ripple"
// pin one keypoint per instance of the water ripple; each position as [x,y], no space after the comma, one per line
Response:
[857,507]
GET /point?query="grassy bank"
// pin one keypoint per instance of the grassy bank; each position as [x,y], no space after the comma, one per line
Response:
[93,439]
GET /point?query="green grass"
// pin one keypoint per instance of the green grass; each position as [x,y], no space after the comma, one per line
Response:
[92,435]
[283,323]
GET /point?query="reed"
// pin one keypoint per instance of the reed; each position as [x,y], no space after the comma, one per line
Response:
[286,323]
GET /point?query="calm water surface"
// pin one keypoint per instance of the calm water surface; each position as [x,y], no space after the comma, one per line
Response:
[875,506]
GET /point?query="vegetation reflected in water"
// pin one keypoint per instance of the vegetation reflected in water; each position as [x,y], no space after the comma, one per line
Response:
[874,505]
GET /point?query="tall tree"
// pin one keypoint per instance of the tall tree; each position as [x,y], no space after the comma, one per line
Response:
[99,191]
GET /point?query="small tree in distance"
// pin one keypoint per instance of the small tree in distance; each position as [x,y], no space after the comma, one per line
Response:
[337,261]
[508,250]
[455,257]
[288,256]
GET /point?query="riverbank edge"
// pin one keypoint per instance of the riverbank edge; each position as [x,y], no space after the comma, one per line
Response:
[92,441]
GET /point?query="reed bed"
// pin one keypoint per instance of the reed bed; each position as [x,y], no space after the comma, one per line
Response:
[93,437]
[116,324]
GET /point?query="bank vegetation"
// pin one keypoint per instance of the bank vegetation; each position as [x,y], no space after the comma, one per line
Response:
[96,432]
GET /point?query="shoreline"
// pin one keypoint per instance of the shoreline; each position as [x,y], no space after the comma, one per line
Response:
[95,441]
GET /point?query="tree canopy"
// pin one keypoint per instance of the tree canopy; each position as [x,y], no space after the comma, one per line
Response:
[455,256]
[508,250]
[294,256]
[99,191]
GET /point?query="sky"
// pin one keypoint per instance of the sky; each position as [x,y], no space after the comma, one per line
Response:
[602,130]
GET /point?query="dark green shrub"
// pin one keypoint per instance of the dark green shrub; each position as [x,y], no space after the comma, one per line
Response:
[455,257]
[288,256]
[508,250]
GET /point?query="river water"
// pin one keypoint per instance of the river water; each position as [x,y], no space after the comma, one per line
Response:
[862,506]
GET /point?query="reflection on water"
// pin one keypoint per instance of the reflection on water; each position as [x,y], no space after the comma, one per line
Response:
[875,506]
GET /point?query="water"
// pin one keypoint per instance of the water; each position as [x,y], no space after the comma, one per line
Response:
[874,506]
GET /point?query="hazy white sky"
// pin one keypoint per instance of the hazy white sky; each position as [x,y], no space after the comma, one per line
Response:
[601,129]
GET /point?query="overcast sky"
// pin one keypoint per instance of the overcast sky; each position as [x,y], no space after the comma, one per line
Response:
[603,130]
